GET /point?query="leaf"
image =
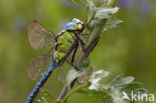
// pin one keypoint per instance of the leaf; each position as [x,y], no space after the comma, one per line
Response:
[120,81]
[96,77]
[80,2]
[42,100]
[104,29]
[73,73]
[104,13]
[102,95]
[96,22]
[134,87]
[90,9]
[114,23]
[46,97]
[121,88]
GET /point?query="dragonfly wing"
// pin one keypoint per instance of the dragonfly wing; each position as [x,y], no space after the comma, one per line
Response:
[62,72]
[38,64]
[38,36]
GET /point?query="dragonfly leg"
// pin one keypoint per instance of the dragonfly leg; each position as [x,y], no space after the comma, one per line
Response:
[73,57]
[78,82]
[93,42]
[72,65]
[89,21]
[87,24]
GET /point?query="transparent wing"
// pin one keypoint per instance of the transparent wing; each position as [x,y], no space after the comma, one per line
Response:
[38,64]
[38,36]
[62,72]
[63,69]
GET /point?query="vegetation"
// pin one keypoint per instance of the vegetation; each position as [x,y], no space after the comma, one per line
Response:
[129,48]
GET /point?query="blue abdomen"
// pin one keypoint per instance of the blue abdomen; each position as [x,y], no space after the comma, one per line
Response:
[41,82]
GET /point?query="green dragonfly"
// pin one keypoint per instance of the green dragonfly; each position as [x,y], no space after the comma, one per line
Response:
[64,43]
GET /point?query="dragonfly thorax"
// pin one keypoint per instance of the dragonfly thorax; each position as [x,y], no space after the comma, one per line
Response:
[64,43]
[67,39]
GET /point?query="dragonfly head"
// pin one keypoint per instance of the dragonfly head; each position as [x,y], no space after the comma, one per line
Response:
[75,25]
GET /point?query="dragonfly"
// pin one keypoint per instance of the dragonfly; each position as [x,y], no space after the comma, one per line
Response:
[64,44]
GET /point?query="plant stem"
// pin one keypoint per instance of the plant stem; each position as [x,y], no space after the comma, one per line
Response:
[95,34]
[73,91]
[91,43]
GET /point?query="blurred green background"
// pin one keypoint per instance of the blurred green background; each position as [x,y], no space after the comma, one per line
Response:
[129,49]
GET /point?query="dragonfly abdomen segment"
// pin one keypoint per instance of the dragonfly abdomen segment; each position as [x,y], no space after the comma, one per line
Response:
[41,82]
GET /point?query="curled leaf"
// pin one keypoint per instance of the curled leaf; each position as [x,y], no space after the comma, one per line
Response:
[90,9]
[96,77]
[104,13]
[114,23]
[73,73]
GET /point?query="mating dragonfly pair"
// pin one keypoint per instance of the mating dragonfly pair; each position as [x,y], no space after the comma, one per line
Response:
[65,43]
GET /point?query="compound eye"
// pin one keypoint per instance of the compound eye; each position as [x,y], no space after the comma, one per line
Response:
[70,26]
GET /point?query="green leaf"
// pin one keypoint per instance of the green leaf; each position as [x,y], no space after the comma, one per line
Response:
[42,100]
[118,82]
[96,22]
[73,73]
[121,89]
[114,23]
[134,87]
[104,29]
[96,77]
[104,13]
[80,2]
[102,95]
[91,9]
[45,97]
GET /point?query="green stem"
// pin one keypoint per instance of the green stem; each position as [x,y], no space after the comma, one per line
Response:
[73,91]
[95,34]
